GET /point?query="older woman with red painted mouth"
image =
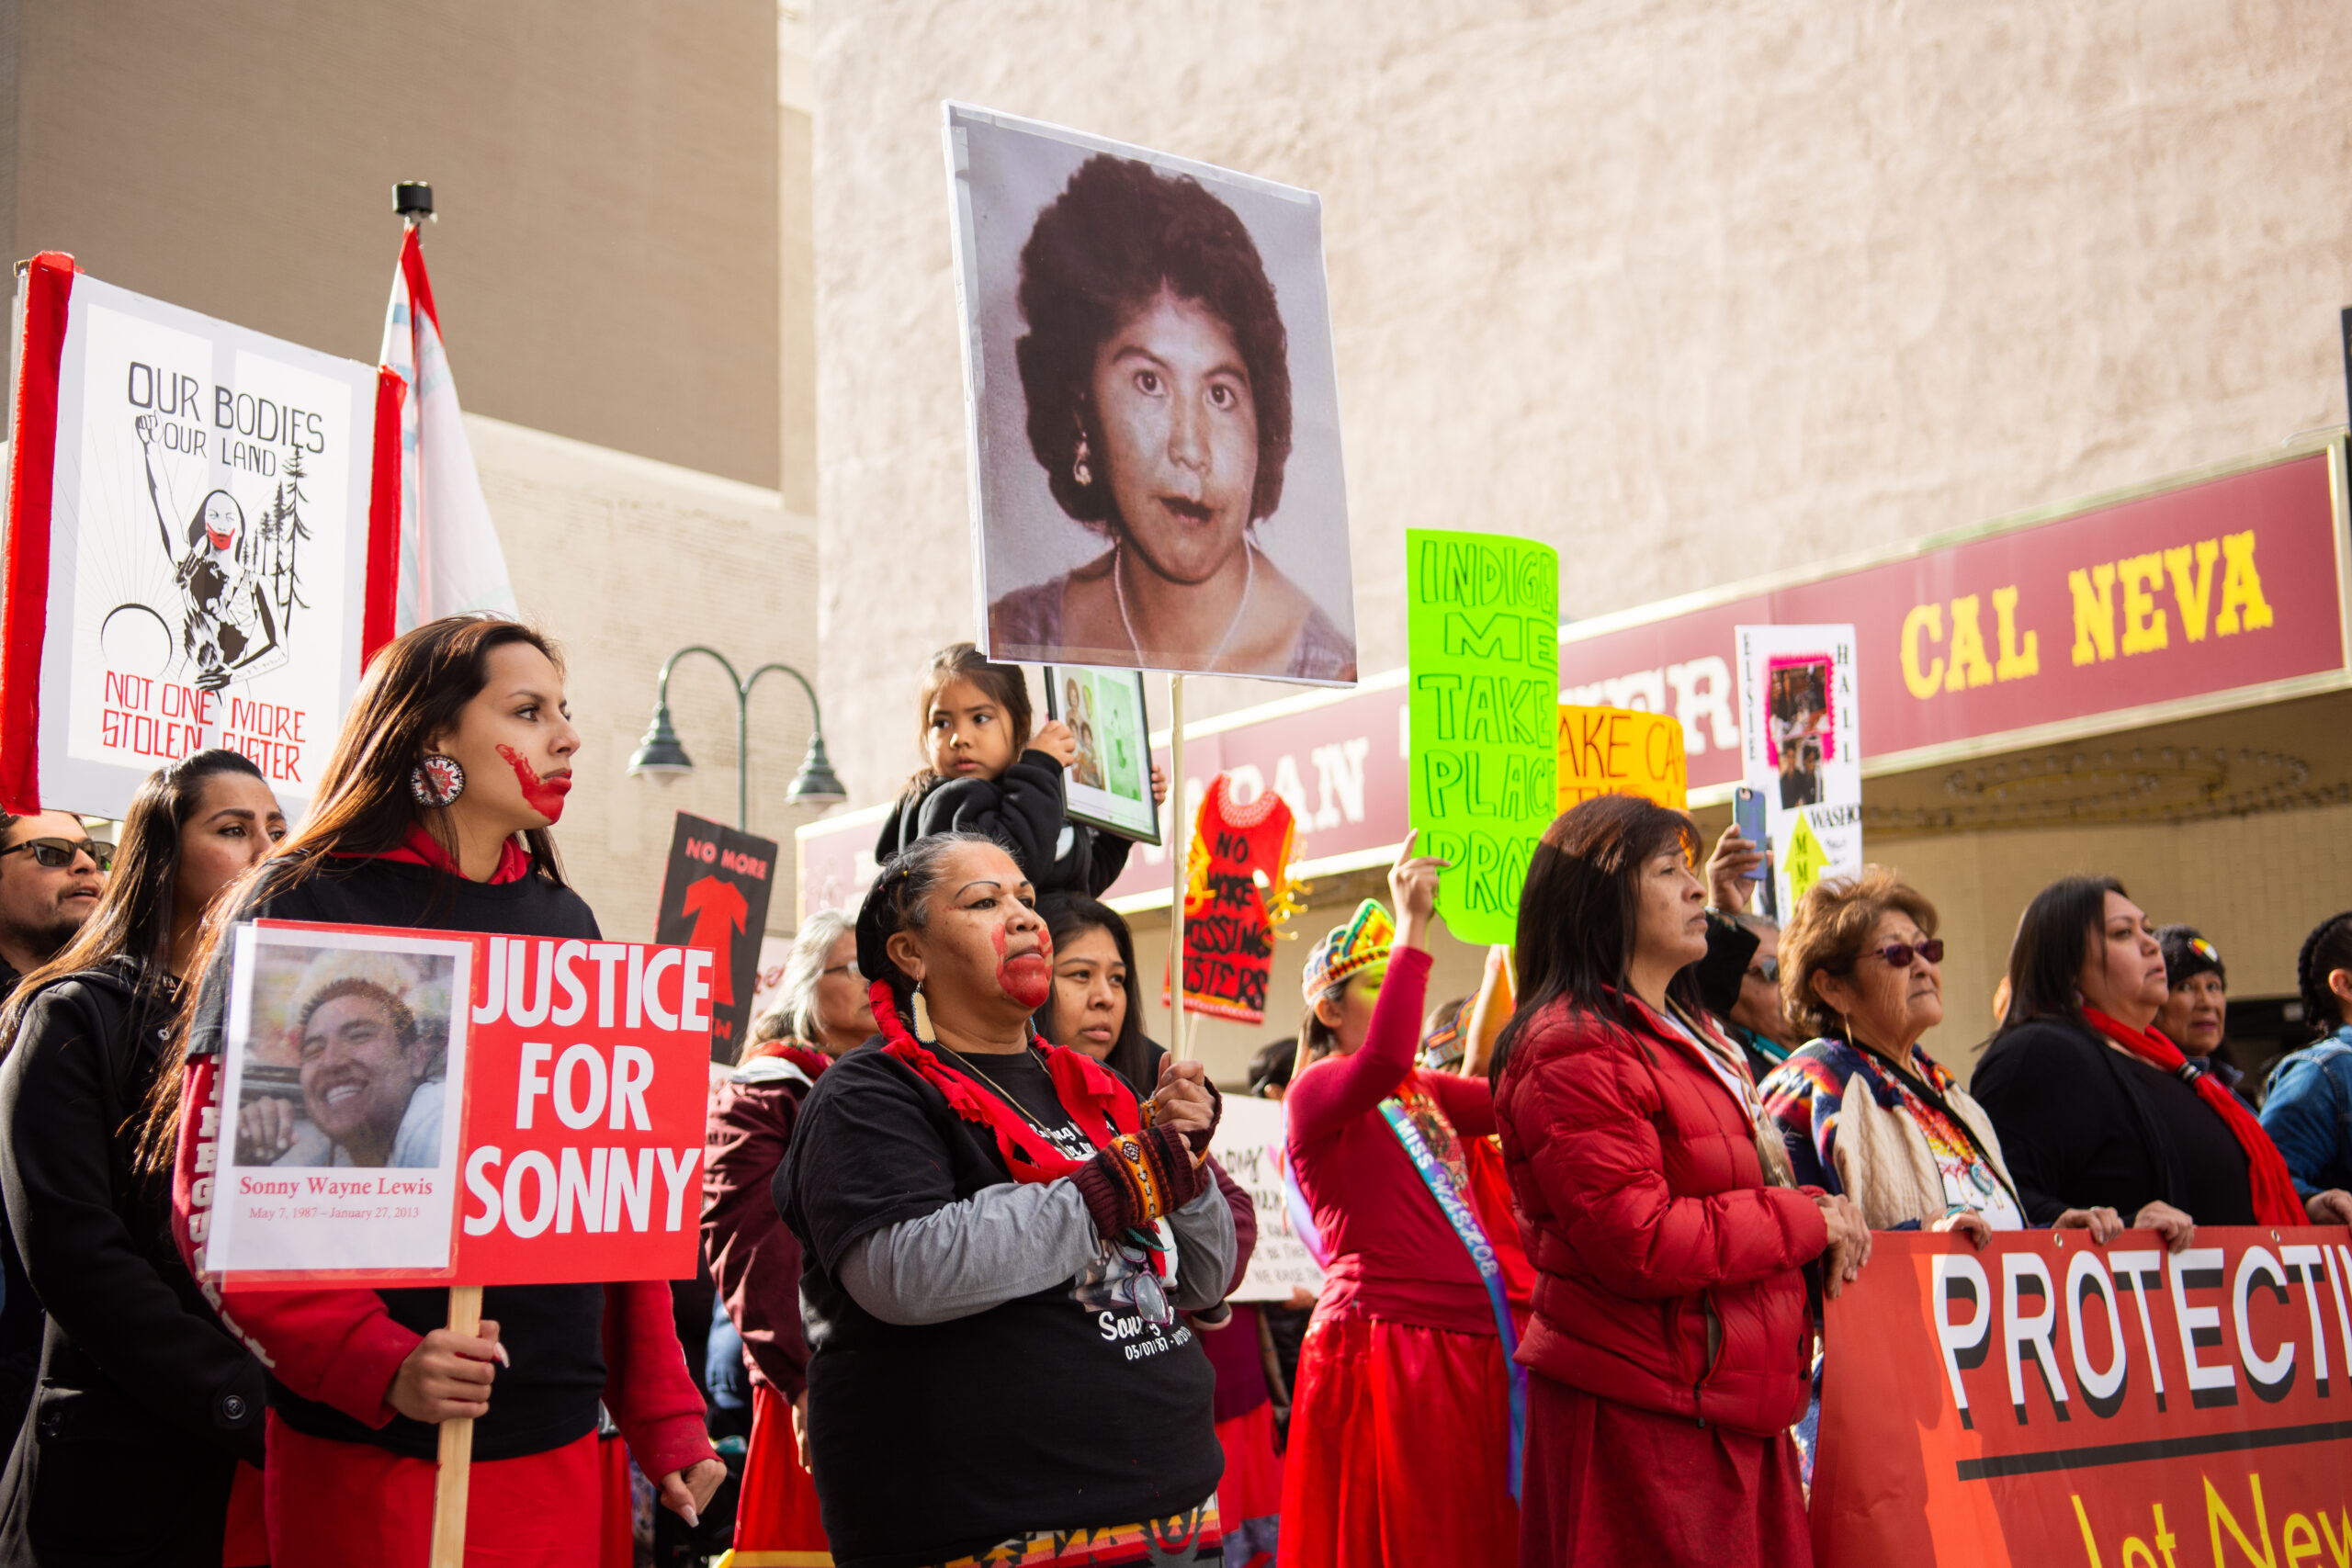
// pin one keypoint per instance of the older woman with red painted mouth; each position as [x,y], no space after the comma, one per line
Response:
[1157,372]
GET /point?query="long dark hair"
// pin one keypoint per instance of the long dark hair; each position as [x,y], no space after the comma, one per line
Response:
[1578,912]
[2046,957]
[133,918]
[1069,915]
[416,687]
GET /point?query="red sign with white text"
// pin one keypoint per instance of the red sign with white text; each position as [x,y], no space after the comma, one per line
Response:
[402,1107]
[2047,1401]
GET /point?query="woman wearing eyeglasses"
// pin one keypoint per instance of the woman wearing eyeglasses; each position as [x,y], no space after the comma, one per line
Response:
[2098,1111]
[998,1236]
[1863,1110]
[823,1013]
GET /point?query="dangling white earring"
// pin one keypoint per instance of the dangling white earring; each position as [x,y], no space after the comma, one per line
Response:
[924,1031]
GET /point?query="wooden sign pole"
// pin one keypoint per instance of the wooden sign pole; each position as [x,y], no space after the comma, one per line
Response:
[1180,857]
[457,1448]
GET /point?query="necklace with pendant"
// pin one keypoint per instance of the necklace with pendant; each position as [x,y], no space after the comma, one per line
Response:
[1119,588]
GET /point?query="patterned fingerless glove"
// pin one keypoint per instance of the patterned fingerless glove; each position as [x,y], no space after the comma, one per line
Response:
[1140,1178]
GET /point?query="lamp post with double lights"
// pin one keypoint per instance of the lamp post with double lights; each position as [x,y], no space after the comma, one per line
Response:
[661,752]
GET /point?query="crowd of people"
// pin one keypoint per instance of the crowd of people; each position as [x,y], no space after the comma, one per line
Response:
[970,1250]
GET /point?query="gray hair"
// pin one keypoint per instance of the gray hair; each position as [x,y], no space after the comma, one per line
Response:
[795,1001]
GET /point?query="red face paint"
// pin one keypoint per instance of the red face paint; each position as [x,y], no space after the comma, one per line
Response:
[1026,978]
[542,795]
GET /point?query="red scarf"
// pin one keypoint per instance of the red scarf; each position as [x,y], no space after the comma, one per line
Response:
[2274,1202]
[421,848]
[1100,1104]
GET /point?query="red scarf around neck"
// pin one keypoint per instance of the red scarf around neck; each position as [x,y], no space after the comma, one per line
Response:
[1100,1104]
[2274,1202]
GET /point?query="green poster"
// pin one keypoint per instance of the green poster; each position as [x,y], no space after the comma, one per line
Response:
[1482,631]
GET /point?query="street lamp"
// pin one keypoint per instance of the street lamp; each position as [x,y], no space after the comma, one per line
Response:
[661,752]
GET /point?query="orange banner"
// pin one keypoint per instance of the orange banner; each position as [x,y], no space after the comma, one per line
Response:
[2051,1402]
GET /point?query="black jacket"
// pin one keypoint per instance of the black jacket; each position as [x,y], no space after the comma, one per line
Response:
[146,1402]
[2083,1126]
[1025,810]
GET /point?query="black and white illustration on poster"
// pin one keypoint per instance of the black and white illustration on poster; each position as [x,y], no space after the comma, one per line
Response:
[1801,750]
[342,1093]
[1154,409]
[207,548]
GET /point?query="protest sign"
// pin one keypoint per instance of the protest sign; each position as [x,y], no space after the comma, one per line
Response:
[1622,751]
[1110,785]
[1482,630]
[1157,486]
[188,545]
[1238,890]
[1249,1146]
[715,895]
[411,1108]
[1801,750]
[2051,1402]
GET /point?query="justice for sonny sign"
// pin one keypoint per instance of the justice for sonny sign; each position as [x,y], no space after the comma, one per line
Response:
[409,1107]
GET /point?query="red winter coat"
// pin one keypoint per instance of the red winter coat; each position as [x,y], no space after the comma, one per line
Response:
[1642,1203]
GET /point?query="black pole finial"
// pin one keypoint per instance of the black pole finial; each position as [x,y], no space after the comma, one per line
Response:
[412,200]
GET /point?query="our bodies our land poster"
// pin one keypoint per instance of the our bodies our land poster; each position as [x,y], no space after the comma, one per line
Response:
[187,551]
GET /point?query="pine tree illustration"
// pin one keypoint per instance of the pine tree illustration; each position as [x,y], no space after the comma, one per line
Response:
[292,530]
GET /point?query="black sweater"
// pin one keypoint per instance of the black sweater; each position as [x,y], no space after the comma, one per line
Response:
[549,1396]
[1025,810]
[145,1401]
[2082,1125]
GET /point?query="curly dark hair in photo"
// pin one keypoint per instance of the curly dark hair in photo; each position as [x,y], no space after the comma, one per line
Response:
[1118,235]
[2326,950]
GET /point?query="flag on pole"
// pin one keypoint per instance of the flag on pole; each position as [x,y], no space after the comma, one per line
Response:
[450,562]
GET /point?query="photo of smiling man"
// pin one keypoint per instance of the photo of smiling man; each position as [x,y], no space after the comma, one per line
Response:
[1156,415]
[357,1077]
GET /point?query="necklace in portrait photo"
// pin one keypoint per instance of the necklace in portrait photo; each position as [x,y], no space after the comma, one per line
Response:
[1119,588]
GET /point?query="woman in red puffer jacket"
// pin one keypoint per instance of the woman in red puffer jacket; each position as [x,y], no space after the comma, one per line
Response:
[1670,1342]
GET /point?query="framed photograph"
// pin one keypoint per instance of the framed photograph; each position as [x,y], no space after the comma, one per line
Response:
[341,1092]
[1154,406]
[1109,785]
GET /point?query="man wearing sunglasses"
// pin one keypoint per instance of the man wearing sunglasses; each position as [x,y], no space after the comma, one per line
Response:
[51,875]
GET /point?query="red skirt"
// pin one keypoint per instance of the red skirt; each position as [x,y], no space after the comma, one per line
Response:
[776,1521]
[1399,1445]
[334,1505]
[1608,1484]
[1250,1498]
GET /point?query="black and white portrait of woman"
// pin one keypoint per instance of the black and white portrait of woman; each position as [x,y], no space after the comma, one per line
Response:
[1156,409]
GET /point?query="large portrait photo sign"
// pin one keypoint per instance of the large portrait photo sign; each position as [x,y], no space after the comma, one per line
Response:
[2051,1402]
[188,546]
[402,1107]
[1154,409]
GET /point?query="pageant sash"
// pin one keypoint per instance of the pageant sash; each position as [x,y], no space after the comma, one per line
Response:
[1455,1207]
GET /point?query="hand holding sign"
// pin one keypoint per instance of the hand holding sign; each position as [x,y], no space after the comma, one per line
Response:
[448,1376]
[1412,887]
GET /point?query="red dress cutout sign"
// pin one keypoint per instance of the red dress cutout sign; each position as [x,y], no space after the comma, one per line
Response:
[1236,891]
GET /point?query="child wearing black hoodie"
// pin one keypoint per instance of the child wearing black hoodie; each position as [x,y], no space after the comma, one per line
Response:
[985,772]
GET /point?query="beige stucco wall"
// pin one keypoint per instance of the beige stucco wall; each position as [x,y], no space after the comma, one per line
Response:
[607,170]
[1693,292]
[624,560]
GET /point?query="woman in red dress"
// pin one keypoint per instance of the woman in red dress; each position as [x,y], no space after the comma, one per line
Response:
[1669,1347]
[1406,1370]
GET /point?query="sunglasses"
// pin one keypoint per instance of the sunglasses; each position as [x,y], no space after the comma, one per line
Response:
[850,969]
[56,854]
[1900,953]
[1767,970]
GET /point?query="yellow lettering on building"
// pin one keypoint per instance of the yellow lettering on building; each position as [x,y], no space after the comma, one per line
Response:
[1929,618]
[2094,613]
[2241,586]
[2193,592]
[1968,665]
[2144,625]
[2017,662]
